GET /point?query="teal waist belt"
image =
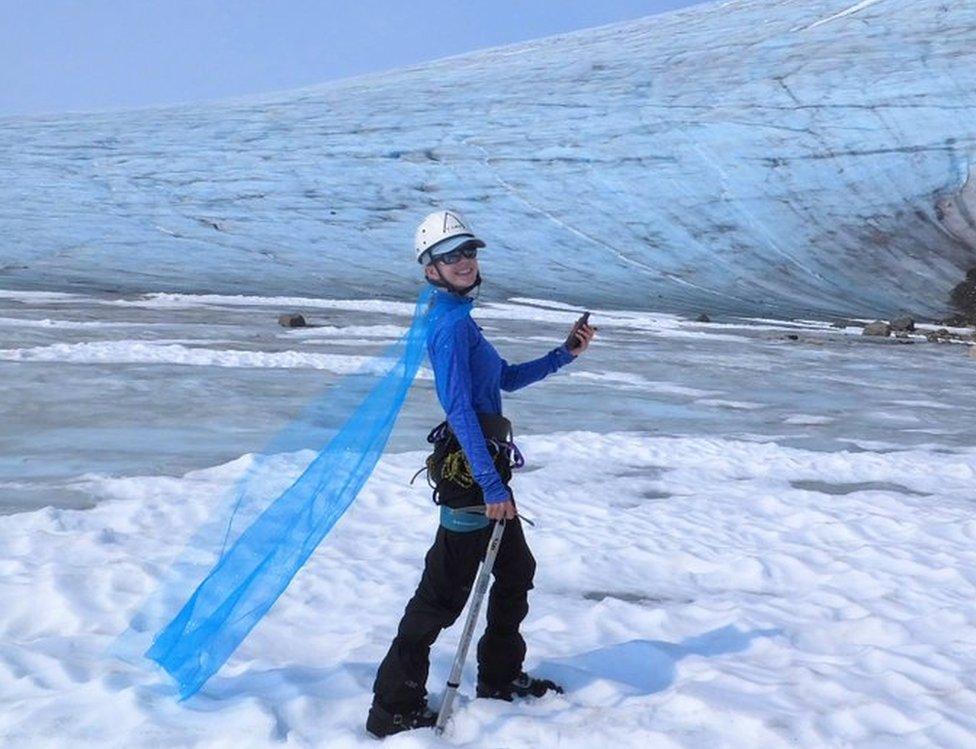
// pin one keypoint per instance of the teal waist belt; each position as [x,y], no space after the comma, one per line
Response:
[462,521]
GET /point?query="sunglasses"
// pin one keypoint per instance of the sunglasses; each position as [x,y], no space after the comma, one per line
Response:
[454,256]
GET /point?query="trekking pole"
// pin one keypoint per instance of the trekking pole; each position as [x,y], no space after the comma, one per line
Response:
[480,586]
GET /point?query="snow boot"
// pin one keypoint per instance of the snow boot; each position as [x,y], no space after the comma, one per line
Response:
[382,722]
[522,685]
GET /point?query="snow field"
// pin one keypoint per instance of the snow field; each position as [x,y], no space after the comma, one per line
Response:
[165,352]
[691,592]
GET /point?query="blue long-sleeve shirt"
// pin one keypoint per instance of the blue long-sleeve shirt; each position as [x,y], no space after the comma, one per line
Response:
[469,376]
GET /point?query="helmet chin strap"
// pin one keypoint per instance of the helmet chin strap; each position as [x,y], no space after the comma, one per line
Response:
[443,283]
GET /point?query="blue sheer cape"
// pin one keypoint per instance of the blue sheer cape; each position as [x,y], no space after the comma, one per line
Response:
[256,564]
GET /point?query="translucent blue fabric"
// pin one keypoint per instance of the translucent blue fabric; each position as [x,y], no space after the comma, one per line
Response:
[255,565]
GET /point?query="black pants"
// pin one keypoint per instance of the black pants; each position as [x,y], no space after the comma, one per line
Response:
[449,572]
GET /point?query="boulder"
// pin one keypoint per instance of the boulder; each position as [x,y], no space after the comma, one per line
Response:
[293,320]
[878,328]
[903,324]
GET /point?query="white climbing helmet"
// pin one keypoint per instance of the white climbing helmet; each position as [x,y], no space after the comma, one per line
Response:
[441,232]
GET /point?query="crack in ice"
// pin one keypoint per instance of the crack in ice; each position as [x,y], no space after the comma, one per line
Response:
[846,12]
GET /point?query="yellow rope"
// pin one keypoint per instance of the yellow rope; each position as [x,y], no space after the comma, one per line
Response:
[457,469]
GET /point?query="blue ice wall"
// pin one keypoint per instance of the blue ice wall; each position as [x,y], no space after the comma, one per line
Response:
[757,156]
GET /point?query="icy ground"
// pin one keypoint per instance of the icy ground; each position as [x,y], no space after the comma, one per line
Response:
[744,540]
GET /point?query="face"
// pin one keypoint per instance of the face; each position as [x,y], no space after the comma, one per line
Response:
[459,275]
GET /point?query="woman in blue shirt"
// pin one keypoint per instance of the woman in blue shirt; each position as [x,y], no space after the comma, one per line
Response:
[470,467]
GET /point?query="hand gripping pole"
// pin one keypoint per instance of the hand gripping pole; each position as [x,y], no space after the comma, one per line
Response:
[477,596]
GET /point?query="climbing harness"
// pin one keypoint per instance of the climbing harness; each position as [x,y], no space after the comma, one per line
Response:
[448,462]
[449,475]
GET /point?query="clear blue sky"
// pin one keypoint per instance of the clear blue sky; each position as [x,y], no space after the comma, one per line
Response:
[71,55]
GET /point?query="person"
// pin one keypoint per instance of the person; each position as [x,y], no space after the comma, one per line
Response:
[470,469]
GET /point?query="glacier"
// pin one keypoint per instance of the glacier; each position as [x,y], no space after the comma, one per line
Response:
[751,532]
[746,157]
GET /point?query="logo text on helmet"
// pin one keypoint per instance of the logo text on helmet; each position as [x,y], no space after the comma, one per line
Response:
[451,222]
